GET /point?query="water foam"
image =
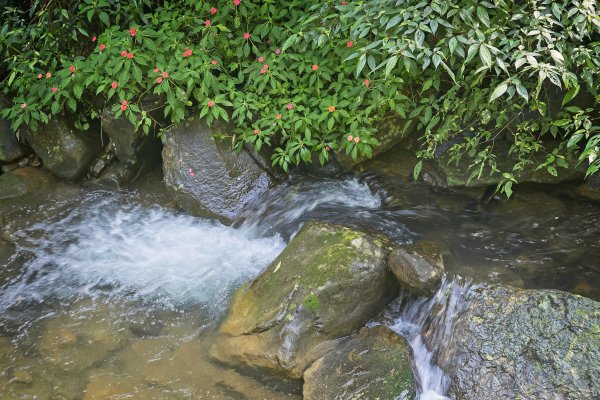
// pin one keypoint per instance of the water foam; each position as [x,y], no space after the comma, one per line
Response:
[107,245]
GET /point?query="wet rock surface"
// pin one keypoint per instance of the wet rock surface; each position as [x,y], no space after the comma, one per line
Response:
[418,267]
[373,364]
[136,151]
[327,283]
[528,344]
[205,175]
[64,150]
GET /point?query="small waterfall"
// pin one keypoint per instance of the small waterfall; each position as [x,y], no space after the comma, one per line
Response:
[418,314]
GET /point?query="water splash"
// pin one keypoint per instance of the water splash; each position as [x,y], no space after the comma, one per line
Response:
[439,311]
[287,207]
[108,246]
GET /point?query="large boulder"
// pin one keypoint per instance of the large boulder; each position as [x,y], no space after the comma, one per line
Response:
[457,173]
[64,150]
[328,282]
[374,364]
[136,151]
[524,344]
[390,131]
[10,148]
[418,267]
[205,175]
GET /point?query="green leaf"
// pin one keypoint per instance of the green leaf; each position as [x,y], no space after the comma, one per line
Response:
[485,55]
[499,91]
[417,170]
[390,64]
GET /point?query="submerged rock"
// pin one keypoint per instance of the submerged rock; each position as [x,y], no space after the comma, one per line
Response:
[374,364]
[327,283]
[23,181]
[205,175]
[524,344]
[63,150]
[418,267]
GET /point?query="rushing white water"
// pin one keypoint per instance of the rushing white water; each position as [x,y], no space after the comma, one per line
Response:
[440,310]
[290,205]
[154,254]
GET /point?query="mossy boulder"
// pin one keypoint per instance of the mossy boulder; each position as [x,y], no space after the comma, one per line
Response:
[418,267]
[457,174]
[64,150]
[374,364]
[328,282]
[524,344]
[207,177]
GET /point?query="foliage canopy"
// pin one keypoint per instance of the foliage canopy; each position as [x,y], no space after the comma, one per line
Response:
[312,77]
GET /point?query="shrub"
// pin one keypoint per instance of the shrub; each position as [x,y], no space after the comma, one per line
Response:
[310,78]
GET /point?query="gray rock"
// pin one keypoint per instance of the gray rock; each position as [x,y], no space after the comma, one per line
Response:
[374,364]
[418,267]
[524,344]
[63,150]
[137,151]
[327,283]
[391,131]
[206,177]
[10,148]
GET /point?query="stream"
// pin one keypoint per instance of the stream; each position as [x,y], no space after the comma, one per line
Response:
[116,293]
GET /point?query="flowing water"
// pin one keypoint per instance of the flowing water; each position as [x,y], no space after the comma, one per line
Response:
[115,293]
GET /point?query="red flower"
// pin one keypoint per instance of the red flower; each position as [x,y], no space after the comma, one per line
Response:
[366,82]
[344,3]
[124,102]
[277,51]
[331,109]
[236,2]
[278,116]
[356,139]
[207,22]
[24,105]
[93,38]
[210,103]
[123,105]
[256,131]
[261,59]
[132,32]
[213,62]
[327,148]
[290,106]
[350,138]
[266,66]
[40,76]
[192,172]
[246,36]
[213,10]
[54,90]
[159,80]
[349,44]
[72,68]
[315,67]
[114,85]
[130,55]
[156,70]
[124,53]
[263,71]
[165,74]
[48,75]
[102,47]
[187,53]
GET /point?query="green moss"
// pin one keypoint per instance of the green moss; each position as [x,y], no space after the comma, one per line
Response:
[311,302]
